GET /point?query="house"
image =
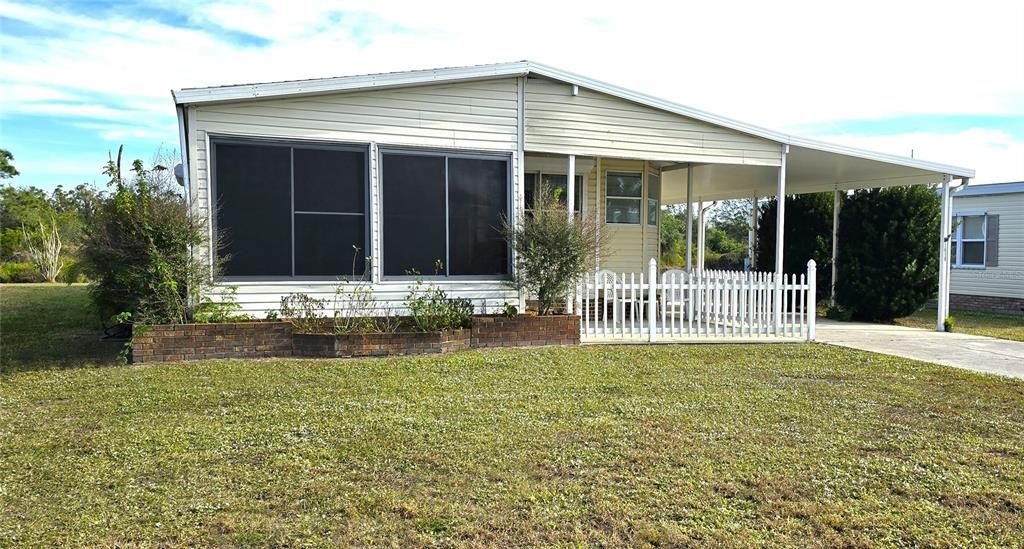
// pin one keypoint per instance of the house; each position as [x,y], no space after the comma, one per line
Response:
[987,248]
[304,180]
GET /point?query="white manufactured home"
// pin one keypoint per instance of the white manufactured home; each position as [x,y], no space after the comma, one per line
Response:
[302,179]
[987,248]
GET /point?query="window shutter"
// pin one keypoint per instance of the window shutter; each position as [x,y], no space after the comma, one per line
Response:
[992,241]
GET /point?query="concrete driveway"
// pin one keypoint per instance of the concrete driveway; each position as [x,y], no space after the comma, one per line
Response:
[971,352]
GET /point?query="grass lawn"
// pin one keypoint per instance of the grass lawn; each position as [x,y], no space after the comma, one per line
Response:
[1003,326]
[628,445]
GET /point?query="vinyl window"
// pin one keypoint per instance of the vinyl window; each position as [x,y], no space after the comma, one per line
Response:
[623,197]
[968,242]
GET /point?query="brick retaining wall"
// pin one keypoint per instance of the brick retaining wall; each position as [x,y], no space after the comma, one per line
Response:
[173,342]
[525,330]
[170,342]
[986,303]
[398,343]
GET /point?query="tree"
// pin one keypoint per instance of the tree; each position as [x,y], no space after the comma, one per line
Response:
[43,249]
[888,260]
[808,235]
[552,253]
[137,250]
[7,169]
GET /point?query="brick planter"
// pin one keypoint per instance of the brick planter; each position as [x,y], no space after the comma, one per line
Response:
[525,330]
[163,343]
[398,343]
[170,342]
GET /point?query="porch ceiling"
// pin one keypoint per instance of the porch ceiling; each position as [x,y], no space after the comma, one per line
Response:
[807,170]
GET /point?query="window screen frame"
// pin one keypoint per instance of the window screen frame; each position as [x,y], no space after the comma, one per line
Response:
[446,154]
[215,139]
[641,203]
[958,240]
[539,174]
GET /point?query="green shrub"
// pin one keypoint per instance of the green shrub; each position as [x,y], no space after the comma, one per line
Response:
[225,309]
[305,312]
[888,257]
[72,272]
[835,312]
[432,311]
[949,323]
[552,253]
[19,271]
[137,250]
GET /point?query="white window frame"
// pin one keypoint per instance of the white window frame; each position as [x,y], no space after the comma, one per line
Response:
[641,204]
[958,239]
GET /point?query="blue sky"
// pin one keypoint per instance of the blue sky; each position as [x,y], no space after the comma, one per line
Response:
[946,80]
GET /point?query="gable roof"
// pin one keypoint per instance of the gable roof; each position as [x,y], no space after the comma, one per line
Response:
[239,92]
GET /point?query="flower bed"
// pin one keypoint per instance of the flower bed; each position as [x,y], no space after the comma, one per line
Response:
[172,342]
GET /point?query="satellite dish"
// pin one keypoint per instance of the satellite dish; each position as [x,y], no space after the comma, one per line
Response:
[179,174]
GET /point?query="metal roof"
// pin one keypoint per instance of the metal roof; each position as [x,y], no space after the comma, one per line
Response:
[239,92]
[993,188]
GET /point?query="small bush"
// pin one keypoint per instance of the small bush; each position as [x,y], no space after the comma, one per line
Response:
[949,323]
[432,311]
[835,312]
[552,252]
[72,272]
[19,271]
[306,313]
[226,309]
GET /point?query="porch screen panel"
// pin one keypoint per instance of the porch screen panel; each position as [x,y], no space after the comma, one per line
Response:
[413,200]
[330,206]
[253,197]
[477,200]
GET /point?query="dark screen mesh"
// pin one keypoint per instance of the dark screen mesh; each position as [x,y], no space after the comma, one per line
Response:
[253,193]
[477,200]
[330,180]
[323,245]
[413,203]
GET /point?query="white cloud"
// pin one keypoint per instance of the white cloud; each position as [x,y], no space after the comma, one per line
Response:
[778,64]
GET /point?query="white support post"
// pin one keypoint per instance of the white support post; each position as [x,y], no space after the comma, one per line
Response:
[752,235]
[700,234]
[570,187]
[652,307]
[810,303]
[780,222]
[689,219]
[570,200]
[945,228]
[836,204]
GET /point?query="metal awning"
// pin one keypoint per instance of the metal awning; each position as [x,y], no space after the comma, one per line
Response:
[808,170]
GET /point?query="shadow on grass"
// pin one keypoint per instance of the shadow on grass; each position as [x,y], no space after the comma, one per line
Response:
[46,326]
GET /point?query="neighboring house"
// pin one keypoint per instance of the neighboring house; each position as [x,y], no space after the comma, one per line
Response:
[302,180]
[988,248]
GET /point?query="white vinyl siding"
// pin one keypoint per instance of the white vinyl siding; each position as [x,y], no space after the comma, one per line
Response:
[1007,278]
[597,124]
[469,116]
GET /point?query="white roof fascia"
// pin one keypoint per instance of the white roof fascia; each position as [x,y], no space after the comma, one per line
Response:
[346,83]
[522,68]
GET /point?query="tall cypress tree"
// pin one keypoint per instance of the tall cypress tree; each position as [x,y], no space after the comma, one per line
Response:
[808,235]
[888,258]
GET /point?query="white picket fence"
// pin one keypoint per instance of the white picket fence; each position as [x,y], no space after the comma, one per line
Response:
[702,304]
